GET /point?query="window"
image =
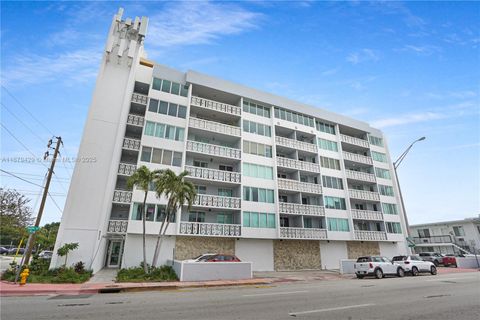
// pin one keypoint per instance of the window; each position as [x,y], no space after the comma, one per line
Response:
[337,224]
[385,190]
[150,128]
[376,141]
[257,149]
[146,154]
[257,128]
[332,182]
[157,156]
[153,105]
[307,222]
[224,218]
[393,227]
[258,220]
[200,164]
[335,203]
[378,156]
[225,192]
[164,131]
[161,212]
[172,109]
[325,127]
[257,109]
[177,159]
[223,167]
[458,231]
[382,173]
[167,108]
[327,144]
[161,156]
[153,212]
[196,216]
[258,195]
[257,171]
[283,114]
[166,86]
[389,208]
[201,189]
[182,111]
[175,88]
[330,163]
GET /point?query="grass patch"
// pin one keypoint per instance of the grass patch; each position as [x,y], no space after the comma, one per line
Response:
[136,274]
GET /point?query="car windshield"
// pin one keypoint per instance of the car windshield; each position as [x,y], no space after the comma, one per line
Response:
[364,259]
[424,254]
[399,258]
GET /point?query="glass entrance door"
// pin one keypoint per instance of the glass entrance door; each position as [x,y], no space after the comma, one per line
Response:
[114,253]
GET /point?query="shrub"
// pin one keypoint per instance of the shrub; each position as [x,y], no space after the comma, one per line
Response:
[39,266]
[79,267]
[137,274]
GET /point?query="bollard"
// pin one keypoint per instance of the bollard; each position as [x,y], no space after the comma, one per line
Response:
[24,276]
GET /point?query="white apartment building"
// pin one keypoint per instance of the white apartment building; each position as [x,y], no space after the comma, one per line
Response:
[280,183]
[448,236]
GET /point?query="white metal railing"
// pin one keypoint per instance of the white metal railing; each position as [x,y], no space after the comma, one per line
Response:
[213,174]
[132,144]
[126,169]
[215,127]
[288,184]
[301,209]
[139,98]
[364,195]
[370,235]
[355,141]
[362,176]
[366,214]
[117,226]
[297,164]
[302,233]
[357,157]
[217,106]
[210,229]
[295,144]
[212,149]
[122,196]
[208,200]
[135,120]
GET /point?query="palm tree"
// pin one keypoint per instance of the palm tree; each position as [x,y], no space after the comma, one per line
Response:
[142,178]
[179,192]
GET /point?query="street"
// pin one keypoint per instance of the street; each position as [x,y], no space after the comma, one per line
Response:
[447,296]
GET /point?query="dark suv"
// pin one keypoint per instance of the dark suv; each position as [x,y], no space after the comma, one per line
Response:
[434,257]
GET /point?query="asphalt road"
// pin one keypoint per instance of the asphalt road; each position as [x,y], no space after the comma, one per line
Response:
[449,296]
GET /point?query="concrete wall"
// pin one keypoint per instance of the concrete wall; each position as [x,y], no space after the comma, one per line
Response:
[203,271]
[331,253]
[366,248]
[190,247]
[389,249]
[133,254]
[259,252]
[468,262]
[296,254]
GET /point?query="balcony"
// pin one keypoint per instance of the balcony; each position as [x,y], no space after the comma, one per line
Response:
[117,226]
[433,239]
[216,127]
[214,150]
[139,98]
[216,106]
[214,175]
[370,235]
[366,215]
[293,185]
[126,169]
[210,229]
[303,233]
[360,176]
[364,195]
[355,141]
[295,144]
[122,196]
[135,120]
[212,201]
[298,165]
[131,144]
[301,209]
[357,158]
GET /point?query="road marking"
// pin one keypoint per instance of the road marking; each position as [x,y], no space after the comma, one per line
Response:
[273,293]
[444,279]
[294,314]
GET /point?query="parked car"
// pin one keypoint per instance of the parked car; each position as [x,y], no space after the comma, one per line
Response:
[201,258]
[14,251]
[3,250]
[222,258]
[434,257]
[45,254]
[414,264]
[377,266]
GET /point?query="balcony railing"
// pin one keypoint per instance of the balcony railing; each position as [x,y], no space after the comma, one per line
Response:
[433,239]
[287,184]
[207,200]
[210,229]
[302,233]
[357,158]
[355,141]
[214,150]
[135,120]
[131,144]
[364,195]
[301,209]
[139,98]
[362,176]
[217,106]
[215,127]
[213,174]
[117,226]
[297,164]
[366,215]
[295,144]
[122,196]
[370,235]
[126,169]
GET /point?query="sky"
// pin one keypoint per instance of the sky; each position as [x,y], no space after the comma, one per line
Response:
[411,69]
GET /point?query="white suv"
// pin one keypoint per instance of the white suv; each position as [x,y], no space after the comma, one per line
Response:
[414,264]
[377,266]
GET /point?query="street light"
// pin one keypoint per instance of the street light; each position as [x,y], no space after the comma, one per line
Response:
[395,166]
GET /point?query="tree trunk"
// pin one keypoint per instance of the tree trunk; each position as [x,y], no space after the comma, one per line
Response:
[144,218]
[161,233]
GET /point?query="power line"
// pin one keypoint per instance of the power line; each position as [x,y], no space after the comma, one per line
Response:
[21,178]
[20,142]
[19,120]
[31,178]
[55,203]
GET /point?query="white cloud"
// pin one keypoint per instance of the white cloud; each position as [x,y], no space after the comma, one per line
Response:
[425,50]
[406,119]
[363,55]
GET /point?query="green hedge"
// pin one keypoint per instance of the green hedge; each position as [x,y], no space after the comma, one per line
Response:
[136,274]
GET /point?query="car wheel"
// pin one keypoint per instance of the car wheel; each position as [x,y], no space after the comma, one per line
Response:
[435,263]
[400,273]
[414,271]
[433,270]
[379,273]
[359,276]
[454,265]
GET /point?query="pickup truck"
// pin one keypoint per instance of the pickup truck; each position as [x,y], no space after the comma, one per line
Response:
[377,266]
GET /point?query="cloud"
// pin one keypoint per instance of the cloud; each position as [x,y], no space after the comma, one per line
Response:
[190,23]
[329,72]
[363,55]
[461,94]
[406,119]
[425,50]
